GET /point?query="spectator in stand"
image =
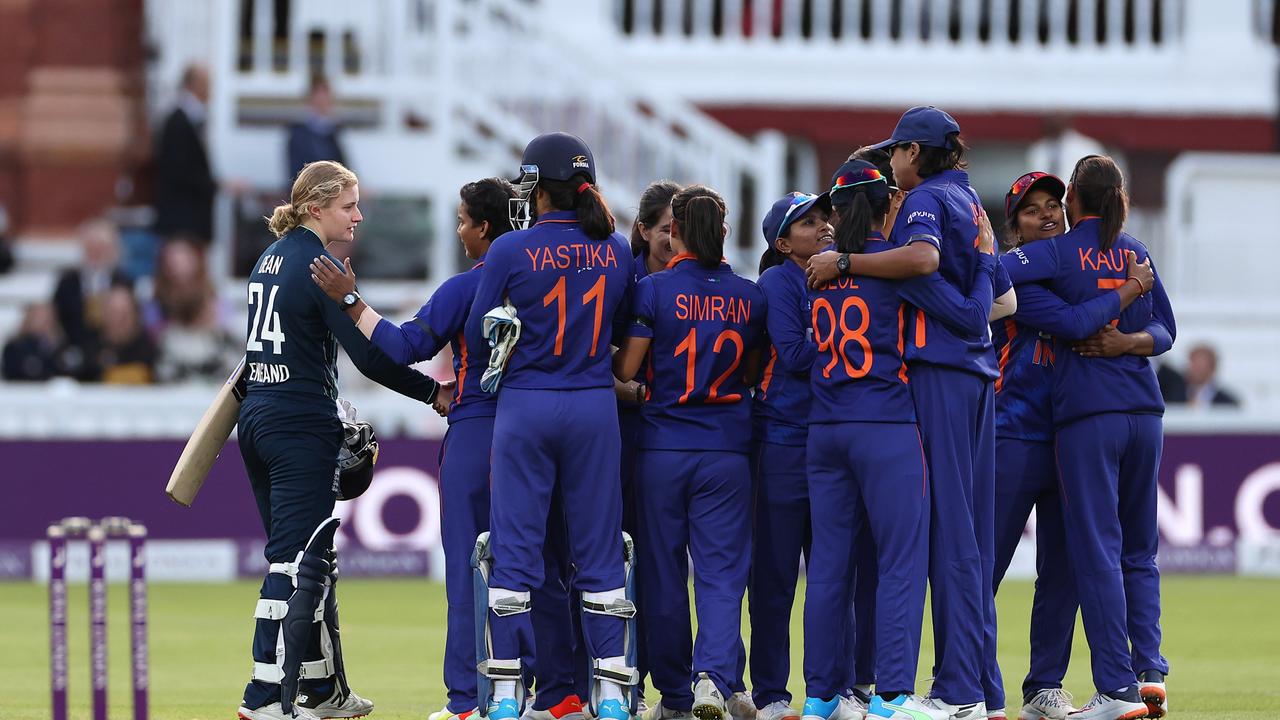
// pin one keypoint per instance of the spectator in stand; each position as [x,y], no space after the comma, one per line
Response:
[77,298]
[120,352]
[185,185]
[1173,386]
[316,137]
[185,319]
[32,354]
[1203,390]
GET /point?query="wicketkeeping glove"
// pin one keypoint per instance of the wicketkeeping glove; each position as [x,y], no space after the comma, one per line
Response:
[502,330]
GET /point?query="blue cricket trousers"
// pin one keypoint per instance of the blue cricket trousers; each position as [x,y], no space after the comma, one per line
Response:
[866,581]
[1107,467]
[694,503]
[956,412]
[779,537]
[629,427]
[544,442]
[464,514]
[880,466]
[290,451]
[1026,477]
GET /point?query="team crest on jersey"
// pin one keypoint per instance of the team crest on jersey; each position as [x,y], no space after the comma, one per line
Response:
[580,161]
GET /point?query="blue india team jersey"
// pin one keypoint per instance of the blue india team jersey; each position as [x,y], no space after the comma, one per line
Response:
[294,330]
[1075,268]
[943,211]
[569,291]
[859,374]
[703,323]
[442,320]
[782,398]
[1025,356]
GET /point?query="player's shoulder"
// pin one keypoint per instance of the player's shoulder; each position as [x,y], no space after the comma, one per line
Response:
[925,203]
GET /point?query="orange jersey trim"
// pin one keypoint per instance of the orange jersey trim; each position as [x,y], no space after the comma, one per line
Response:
[768,372]
[462,369]
[1011,330]
[902,331]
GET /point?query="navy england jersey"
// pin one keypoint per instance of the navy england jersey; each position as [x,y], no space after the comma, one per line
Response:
[294,331]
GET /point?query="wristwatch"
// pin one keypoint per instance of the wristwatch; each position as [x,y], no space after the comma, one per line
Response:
[842,264]
[350,299]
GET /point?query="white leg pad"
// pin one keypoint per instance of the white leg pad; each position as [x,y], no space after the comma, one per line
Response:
[505,602]
[500,669]
[277,609]
[609,602]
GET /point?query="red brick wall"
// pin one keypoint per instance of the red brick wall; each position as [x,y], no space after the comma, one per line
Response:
[71,108]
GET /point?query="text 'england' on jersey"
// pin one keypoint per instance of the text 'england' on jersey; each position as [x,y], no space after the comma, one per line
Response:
[294,330]
[703,323]
[859,375]
[569,291]
[944,211]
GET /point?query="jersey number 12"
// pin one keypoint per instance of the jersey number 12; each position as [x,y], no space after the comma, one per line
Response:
[272,331]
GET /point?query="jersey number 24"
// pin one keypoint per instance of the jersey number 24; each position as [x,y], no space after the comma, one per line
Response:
[269,320]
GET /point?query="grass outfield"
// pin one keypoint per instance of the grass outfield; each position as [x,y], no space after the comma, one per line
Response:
[1221,636]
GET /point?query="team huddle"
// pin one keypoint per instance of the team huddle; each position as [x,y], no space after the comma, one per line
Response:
[888,402]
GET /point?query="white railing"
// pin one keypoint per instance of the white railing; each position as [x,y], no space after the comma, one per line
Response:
[1109,22]
[534,69]
[1191,56]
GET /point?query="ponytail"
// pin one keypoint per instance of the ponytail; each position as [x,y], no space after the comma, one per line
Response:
[856,219]
[699,211]
[594,216]
[283,219]
[1099,188]
[317,184]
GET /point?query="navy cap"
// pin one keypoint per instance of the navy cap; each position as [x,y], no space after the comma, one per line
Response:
[857,176]
[559,156]
[1051,184]
[926,125]
[788,209]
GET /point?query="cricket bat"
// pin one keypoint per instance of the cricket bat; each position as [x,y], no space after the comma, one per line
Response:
[206,442]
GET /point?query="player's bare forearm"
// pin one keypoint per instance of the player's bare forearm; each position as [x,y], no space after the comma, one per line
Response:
[914,259]
[626,362]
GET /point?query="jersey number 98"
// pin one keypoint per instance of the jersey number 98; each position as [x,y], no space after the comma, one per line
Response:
[827,341]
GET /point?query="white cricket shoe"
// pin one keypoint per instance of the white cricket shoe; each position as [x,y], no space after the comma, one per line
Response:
[352,706]
[708,703]
[839,707]
[1048,704]
[997,714]
[904,707]
[1151,689]
[741,706]
[275,712]
[778,710]
[967,711]
[1123,705]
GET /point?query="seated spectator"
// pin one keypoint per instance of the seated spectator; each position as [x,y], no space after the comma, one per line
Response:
[185,319]
[120,352]
[77,298]
[1173,387]
[32,354]
[1202,385]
